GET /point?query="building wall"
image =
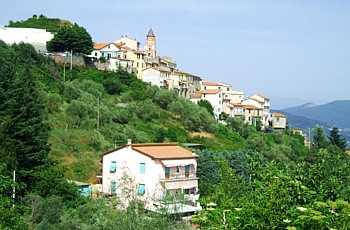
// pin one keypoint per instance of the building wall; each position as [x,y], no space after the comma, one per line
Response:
[129,42]
[128,176]
[36,37]
[216,101]
[151,76]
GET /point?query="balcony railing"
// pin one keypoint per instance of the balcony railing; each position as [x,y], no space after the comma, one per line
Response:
[178,176]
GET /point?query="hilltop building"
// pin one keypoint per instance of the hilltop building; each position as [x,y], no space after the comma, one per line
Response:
[35,37]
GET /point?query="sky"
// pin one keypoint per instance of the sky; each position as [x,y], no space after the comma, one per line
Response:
[294,50]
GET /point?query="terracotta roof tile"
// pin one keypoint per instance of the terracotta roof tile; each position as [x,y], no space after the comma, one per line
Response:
[210,83]
[211,91]
[159,150]
[251,107]
[279,115]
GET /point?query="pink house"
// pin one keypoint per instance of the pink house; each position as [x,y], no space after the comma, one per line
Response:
[151,172]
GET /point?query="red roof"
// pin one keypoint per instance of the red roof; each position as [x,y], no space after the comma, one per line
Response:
[211,91]
[159,150]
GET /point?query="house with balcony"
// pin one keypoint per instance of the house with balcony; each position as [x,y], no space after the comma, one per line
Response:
[150,173]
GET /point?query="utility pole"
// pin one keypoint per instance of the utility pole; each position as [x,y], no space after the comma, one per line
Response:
[98,112]
[14,188]
[309,139]
[64,72]
[71,63]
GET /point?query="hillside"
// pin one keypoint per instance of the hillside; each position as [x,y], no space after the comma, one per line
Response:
[40,22]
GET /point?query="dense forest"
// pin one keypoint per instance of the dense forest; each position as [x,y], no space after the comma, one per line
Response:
[54,124]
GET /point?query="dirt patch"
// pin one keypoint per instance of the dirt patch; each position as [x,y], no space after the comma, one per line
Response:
[202,134]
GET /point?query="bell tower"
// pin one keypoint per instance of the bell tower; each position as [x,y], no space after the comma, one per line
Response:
[150,47]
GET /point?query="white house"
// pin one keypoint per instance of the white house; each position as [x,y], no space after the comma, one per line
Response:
[36,37]
[151,172]
[107,50]
[156,76]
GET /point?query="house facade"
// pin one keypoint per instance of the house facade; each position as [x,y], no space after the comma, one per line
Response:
[279,121]
[151,172]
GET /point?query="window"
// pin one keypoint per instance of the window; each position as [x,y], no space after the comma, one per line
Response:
[187,171]
[205,87]
[177,169]
[141,189]
[113,187]
[142,168]
[186,191]
[167,172]
[137,64]
[113,166]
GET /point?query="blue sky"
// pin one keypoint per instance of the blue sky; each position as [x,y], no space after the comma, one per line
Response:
[286,49]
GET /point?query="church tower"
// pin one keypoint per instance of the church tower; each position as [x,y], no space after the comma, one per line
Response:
[150,47]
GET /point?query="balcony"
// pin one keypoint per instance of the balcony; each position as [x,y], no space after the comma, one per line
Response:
[183,176]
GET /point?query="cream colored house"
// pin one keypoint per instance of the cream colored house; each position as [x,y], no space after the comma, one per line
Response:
[151,172]
[129,42]
[279,121]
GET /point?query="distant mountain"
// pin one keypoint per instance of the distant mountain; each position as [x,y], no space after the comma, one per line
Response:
[336,113]
[281,103]
[300,122]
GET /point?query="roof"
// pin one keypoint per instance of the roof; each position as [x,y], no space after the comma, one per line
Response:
[99,46]
[256,99]
[150,33]
[196,95]
[262,96]
[251,107]
[210,83]
[155,68]
[159,150]
[279,115]
[211,91]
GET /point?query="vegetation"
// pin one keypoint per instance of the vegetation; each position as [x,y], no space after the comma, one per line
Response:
[40,22]
[53,129]
[71,38]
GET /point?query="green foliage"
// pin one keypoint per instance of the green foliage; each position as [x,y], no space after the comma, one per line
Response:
[71,38]
[206,104]
[41,22]
[24,113]
[336,139]
[319,137]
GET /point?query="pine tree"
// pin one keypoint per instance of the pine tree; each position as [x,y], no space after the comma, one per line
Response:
[336,139]
[23,116]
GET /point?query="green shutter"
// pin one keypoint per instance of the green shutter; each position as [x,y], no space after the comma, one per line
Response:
[142,168]
[113,187]
[187,168]
[113,166]
[141,189]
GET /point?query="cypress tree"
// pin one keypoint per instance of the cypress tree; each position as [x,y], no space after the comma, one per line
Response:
[23,115]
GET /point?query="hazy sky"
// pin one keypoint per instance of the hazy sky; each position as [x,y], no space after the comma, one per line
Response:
[286,49]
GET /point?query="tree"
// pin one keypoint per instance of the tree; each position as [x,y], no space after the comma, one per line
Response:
[71,38]
[319,137]
[336,139]
[22,115]
[206,104]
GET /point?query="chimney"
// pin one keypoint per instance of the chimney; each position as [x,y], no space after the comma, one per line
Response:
[129,141]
